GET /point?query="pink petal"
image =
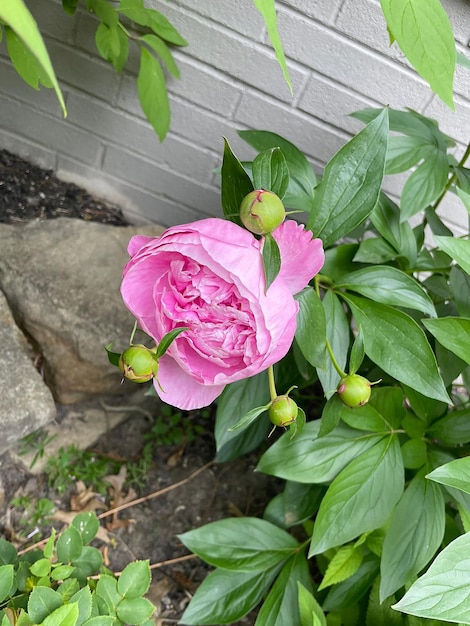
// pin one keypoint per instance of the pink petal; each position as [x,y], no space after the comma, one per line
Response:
[137,242]
[301,256]
[181,390]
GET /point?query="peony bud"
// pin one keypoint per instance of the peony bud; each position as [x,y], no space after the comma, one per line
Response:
[283,411]
[138,363]
[354,390]
[262,212]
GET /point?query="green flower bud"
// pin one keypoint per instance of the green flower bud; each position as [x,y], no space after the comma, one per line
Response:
[283,411]
[138,363]
[354,390]
[262,212]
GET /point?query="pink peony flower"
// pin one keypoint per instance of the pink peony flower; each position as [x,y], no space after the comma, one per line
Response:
[208,276]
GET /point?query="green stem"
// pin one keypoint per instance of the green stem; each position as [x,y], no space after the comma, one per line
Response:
[461,163]
[333,359]
[272,385]
[131,339]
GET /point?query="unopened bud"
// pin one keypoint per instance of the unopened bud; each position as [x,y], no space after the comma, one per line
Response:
[354,390]
[262,212]
[138,363]
[283,411]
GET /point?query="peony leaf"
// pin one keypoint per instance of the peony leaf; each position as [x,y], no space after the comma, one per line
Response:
[153,94]
[453,333]
[249,417]
[271,260]
[167,340]
[454,474]
[270,172]
[235,184]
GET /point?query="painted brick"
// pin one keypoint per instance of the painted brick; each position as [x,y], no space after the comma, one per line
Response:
[238,15]
[459,15]
[28,150]
[335,56]
[456,124]
[138,205]
[158,180]
[332,103]
[105,122]
[43,99]
[311,136]
[53,20]
[461,81]
[323,10]
[51,133]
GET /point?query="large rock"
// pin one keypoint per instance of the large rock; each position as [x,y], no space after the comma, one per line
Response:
[27,404]
[61,278]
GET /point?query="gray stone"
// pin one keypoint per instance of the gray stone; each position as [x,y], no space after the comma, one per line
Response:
[61,278]
[27,404]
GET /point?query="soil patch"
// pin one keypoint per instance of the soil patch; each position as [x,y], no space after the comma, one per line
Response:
[153,449]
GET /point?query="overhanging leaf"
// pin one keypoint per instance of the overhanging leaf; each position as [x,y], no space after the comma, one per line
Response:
[153,94]
[454,474]
[167,340]
[453,333]
[310,333]
[425,184]
[458,249]
[235,184]
[271,260]
[351,183]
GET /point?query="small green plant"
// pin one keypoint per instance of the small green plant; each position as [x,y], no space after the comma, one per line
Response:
[35,442]
[174,428]
[66,583]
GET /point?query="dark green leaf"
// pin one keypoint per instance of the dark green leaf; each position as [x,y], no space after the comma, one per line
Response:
[270,172]
[107,594]
[8,553]
[403,152]
[424,185]
[167,340]
[458,249]
[453,429]
[389,285]
[89,561]
[152,92]
[310,333]
[423,31]
[235,184]
[406,122]
[134,610]
[331,415]
[442,592]
[453,333]
[294,505]
[271,260]
[435,223]
[351,183]
[281,607]
[357,352]
[380,613]
[82,599]
[347,593]
[264,545]
[454,474]
[337,331]
[42,602]
[375,250]
[302,179]
[70,6]
[308,459]
[386,219]
[364,418]
[69,545]
[134,580]
[460,286]
[345,511]
[87,525]
[414,453]
[250,417]
[160,47]
[339,261]
[6,581]
[24,61]
[426,408]
[226,596]
[414,535]
[389,403]
[104,11]
[236,400]
[113,357]
[396,343]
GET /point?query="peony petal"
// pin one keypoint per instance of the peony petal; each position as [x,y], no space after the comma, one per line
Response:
[180,389]
[301,256]
[137,242]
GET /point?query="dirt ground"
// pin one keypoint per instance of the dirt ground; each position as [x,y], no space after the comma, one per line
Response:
[147,530]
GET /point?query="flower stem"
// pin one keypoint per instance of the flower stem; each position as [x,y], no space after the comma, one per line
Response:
[333,359]
[272,385]
[461,163]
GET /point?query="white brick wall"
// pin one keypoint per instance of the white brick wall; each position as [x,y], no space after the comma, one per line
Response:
[339,61]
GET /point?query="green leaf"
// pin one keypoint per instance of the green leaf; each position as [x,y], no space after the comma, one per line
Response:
[403,152]
[271,260]
[337,331]
[107,593]
[24,61]
[87,525]
[41,567]
[453,429]
[42,602]
[302,179]
[113,45]
[100,620]
[389,403]
[270,172]
[62,572]
[226,596]
[250,417]
[297,503]
[309,609]
[460,286]
[218,543]
[63,616]
[267,9]
[281,607]
[374,250]
[423,31]
[235,184]
[364,418]
[396,343]
[82,599]
[380,613]
[414,453]
[134,580]
[160,47]
[307,459]
[237,399]
[113,357]
[454,474]
[386,219]
[458,249]
[89,561]
[48,549]
[69,545]
[164,29]
[152,92]
[389,285]
[331,415]
[342,566]
[351,183]
[345,594]
[414,534]
[70,6]
[345,511]
[424,185]
[463,60]
[134,610]
[104,11]
[310,333]
[6,581]
[442,592]
[357,352]
[15,14]
[453,333]
[167,340]
[8,553]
